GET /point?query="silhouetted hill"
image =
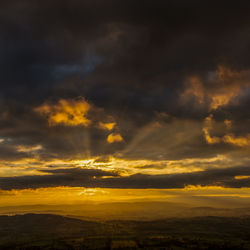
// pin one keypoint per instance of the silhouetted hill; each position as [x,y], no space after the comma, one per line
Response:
[128,210]
[46,231]
[45,224]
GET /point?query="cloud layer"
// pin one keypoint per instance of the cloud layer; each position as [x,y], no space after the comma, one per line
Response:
[164,82]
[236,177]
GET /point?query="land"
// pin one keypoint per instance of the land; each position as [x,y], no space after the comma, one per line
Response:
[48,231]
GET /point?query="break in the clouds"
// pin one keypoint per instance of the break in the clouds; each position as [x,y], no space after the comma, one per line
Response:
[166,83]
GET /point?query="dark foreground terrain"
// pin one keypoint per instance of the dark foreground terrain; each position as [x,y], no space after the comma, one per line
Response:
[45,231]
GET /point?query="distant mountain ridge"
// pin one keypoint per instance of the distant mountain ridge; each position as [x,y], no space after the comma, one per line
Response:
[128,211]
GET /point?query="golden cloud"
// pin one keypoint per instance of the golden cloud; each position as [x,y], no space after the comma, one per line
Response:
[22,148]
[107,126]
[206,130]
[239,141]
[230,84]
[114,137]
[228,124]
[242,177]
[209,138]
[73,113]
[66,112]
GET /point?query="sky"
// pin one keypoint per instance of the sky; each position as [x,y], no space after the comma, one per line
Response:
[99,98]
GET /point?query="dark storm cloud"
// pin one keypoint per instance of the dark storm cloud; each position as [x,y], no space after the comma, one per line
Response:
[10,153]
[130,58]
[213,177]
[145,43]
[59,177]
[77,177]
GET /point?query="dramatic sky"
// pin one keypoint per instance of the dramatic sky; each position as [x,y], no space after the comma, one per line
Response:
[124,95]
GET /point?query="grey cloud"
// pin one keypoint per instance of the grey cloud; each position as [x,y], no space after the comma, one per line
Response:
[92,178]
[58,177]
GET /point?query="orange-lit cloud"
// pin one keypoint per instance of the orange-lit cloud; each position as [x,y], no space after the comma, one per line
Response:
[114,137]
[209,138]
[228,124]
[221,90]
[107,126]
[195,89]
[230,84]
[66,112]
[206,130]
[22,148]
[73,113]
[240,141]
[242,177]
